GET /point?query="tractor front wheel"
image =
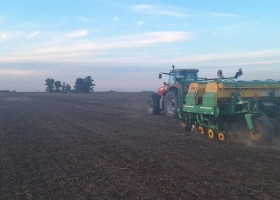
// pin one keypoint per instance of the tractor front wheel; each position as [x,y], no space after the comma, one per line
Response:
[171,103]
[153,104]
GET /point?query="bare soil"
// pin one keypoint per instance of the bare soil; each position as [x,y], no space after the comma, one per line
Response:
[105,146]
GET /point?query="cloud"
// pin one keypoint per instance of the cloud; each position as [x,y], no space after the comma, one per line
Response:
[77,34]
[177,12]
[256,65]
[156,10]
[265,57]
[33,34]
[87,47]
[249,55]
[108,51]
[143,7]
[16,72]
[83,18]
[215,14]
[4,36]
[116,19]
[161,37]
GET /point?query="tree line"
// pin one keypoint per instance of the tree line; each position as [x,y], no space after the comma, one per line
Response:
[6,91]
[82,85]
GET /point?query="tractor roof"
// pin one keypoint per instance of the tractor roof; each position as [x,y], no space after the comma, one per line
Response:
[184,70]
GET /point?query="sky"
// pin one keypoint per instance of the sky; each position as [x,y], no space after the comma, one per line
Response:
[123,45]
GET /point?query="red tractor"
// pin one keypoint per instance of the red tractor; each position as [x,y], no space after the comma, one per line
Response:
[167,97]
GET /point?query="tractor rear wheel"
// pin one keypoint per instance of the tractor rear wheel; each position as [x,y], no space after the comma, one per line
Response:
[263,130]
[153,104]
[171,103]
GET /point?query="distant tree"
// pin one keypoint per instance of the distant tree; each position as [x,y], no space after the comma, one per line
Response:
[89,85]
[4,91]
[63,87]
[57,85]
[84,85]
[68,87]
[79,85]
[50,84]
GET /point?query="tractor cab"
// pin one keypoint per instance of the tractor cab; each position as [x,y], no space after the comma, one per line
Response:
[189,76]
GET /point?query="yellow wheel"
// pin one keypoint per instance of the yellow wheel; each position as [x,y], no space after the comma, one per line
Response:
[255,134]
[185,125]
[200,130]
[221,136]
[211,133]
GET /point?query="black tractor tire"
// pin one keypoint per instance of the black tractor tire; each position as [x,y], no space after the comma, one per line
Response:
[153,104]
[171,103]
[263,130]
[276,126]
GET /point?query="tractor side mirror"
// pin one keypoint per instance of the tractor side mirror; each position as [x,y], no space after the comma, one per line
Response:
[219,73]
[160,75]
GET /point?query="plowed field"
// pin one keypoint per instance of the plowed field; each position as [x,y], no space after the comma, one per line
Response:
[105,146]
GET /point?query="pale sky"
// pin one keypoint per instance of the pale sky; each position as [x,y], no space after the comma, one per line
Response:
[123,45]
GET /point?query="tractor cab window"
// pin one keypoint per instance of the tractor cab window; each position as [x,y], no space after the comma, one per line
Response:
[187,76]
[180,74]
[190,76]
[171,78]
